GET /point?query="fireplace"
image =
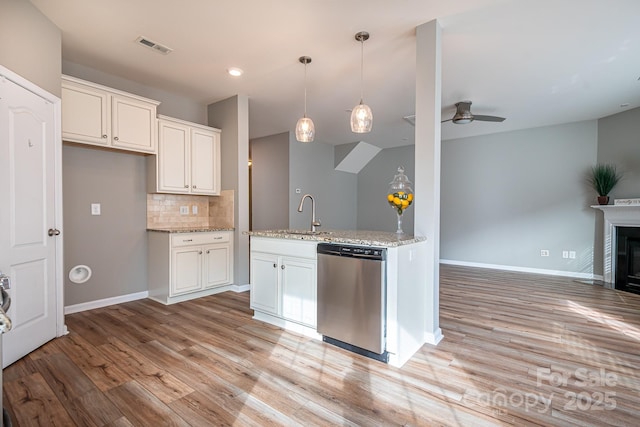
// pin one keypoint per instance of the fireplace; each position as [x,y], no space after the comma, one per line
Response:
[621,238]
[628,259]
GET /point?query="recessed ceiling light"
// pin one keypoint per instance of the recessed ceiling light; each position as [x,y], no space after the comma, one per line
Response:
[234,71]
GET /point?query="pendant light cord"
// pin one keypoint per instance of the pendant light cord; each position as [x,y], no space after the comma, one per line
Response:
[361,70]
[305,89]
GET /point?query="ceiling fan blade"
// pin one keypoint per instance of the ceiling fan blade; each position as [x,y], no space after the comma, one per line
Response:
[488,118]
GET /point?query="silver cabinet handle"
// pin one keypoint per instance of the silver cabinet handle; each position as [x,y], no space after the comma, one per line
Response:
[282,266]
[217,238]
[187,240]
[200,253]
[193,186]
[275,265]
[5,281]
[53,232]
[104,136]
[116,138]
[207,251]
[186,186]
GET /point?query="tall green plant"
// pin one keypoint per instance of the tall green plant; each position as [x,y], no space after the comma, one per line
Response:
[603,178]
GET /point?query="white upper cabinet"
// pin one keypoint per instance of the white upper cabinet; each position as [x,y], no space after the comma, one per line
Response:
[188,159]
[97,115]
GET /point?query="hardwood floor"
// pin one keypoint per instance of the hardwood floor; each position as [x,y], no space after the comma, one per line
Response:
[519,349]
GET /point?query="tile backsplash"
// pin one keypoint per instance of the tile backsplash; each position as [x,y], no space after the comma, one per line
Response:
[163,210]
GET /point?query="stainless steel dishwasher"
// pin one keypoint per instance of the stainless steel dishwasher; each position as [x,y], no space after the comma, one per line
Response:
[352,298]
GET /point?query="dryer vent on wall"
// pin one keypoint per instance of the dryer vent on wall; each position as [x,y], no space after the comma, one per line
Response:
[153,45]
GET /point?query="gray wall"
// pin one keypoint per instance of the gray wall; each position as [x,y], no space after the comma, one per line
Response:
[170,104]
[506,196]
[30,44]
[113,244]
[374,213]
[311,169]
[270,182]
[232,116]
[618,144]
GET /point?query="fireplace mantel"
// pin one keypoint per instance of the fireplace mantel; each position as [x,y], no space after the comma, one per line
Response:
[615,216]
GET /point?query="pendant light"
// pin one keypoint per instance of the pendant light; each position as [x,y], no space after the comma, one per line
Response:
[305,131]
[361,115]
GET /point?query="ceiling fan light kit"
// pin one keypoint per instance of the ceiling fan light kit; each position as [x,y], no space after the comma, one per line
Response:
[361,115]
[305,130]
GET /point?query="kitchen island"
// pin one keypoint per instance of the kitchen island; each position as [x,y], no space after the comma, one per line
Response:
[284,283]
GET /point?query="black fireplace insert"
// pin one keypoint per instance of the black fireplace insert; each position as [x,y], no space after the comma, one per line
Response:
[628,259]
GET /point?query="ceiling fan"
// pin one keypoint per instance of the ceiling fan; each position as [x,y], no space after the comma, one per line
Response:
[463,115]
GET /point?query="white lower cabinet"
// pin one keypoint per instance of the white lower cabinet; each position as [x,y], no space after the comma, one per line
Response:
[283,280]
[183,266]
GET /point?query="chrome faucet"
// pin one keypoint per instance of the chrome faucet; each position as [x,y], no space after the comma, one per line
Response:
[314,222]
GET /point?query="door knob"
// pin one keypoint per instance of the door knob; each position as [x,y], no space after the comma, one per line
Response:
[5,281]
[53,232]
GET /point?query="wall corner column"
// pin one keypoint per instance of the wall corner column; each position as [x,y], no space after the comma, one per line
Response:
[427,166]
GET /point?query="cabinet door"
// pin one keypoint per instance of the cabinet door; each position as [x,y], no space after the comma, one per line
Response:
[299,290]
[205,162]
[85,114]
[217,265]
[173,157]
[264,282]
[133,124]
[186,270]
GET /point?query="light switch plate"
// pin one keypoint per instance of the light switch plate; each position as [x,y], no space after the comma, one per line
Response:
[184,210]
[95,208]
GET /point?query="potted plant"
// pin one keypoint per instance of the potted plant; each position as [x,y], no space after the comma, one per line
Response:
[603,178]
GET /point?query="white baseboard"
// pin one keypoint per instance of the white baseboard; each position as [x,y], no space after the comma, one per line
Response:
[573,274]
[241,288]
[76,308]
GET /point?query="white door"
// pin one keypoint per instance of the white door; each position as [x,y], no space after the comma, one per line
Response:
[27,196]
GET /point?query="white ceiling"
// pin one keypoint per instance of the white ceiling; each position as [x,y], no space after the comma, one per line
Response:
[536,63]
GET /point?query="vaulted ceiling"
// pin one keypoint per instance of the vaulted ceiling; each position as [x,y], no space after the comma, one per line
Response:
[536,63]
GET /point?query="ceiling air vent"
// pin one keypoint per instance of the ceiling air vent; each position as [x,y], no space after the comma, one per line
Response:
[153,45]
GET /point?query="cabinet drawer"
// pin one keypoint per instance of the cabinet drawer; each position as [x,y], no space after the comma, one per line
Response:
[286,247]
[188,239]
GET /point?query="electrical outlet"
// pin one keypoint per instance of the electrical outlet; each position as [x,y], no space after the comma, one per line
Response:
[194,209]
[565,254]
[184,210]
[544,252]
[572,254]
[95,208]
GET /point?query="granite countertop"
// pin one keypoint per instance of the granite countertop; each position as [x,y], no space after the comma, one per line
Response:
[355,237]
[188,229]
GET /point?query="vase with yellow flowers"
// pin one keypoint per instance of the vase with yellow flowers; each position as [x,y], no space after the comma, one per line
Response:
[400,195]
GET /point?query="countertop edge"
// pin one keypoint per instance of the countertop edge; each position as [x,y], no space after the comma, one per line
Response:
[353,237]
[188,230]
